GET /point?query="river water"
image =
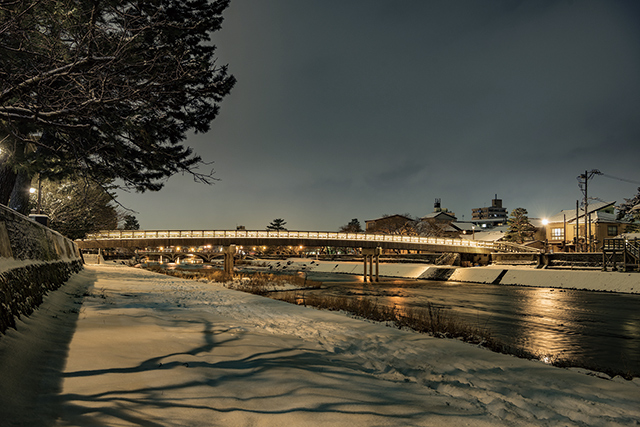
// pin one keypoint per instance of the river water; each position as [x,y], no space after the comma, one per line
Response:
[597,329]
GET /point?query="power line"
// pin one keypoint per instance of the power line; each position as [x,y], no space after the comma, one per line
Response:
[620,179]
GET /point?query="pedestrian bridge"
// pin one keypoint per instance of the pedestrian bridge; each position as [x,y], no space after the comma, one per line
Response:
[138,239]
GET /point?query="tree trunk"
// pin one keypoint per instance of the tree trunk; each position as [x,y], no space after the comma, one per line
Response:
[7,181]
[20,195]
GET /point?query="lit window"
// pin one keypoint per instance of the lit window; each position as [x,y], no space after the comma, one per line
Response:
[557,233]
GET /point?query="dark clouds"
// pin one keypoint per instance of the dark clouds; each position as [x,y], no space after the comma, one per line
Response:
[354,108]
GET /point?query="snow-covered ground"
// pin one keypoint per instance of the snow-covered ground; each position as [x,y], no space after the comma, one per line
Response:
[122,346]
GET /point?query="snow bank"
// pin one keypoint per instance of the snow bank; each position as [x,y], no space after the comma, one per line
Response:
[347,267]
[147,349]
[549,278]
[628,282]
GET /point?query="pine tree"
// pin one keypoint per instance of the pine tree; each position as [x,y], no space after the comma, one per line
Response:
[277,225]
[353,227]
[627,213]
[130,223]
[106,89]
[520,228]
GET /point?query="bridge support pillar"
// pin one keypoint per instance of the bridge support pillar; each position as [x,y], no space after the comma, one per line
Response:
[229,252]
[369,255]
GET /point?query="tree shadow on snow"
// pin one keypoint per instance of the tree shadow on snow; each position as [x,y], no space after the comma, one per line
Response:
[265,380]
[33,357]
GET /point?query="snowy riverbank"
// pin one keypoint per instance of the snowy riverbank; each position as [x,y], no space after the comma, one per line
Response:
[122,346]
[505,275]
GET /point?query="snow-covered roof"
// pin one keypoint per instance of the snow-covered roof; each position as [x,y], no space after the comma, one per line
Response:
[443,216]
[630,235]
[604,217]
[491,235]
[537,222]
[463,226]
[389,217]
[569,215]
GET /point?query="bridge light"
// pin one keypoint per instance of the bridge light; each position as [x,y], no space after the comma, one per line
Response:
[177,248]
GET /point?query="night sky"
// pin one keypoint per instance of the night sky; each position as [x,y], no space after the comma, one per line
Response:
[359,108]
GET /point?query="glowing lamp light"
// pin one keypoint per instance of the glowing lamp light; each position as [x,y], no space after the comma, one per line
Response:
[545,221]
[32,190]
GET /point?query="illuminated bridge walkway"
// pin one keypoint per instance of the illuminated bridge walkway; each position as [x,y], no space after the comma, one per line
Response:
[193,238]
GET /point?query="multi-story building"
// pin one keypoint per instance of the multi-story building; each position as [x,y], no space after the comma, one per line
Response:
[490,216]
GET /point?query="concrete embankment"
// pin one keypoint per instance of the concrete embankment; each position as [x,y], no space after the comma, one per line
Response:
[627,282]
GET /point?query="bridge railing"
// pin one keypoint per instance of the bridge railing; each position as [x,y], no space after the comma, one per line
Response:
[305,235]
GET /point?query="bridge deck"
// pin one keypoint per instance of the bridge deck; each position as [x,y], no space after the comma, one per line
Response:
[156,238]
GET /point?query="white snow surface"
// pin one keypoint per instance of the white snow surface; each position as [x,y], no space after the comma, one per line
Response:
[7,264]
[122,346]
[593,280]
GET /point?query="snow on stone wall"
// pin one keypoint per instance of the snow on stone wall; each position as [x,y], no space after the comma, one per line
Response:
[33,261]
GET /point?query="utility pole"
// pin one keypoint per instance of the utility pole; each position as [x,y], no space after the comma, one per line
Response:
[583,182]
[577,225]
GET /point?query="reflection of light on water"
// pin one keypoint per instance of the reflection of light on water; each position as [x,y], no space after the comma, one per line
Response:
[545,337]
[397,303]
[632,329]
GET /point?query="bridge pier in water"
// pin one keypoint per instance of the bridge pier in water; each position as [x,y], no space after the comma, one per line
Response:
[369,254]
[229,252]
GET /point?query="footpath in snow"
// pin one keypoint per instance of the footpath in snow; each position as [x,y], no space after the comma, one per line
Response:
[122,346]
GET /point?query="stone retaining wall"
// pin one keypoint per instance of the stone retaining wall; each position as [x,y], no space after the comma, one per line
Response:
[33,261]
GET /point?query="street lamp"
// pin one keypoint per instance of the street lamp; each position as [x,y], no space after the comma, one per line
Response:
[39,190]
